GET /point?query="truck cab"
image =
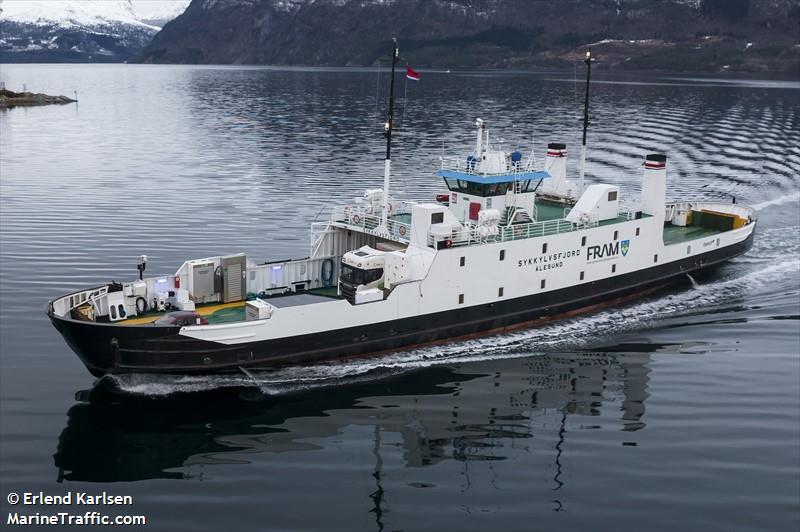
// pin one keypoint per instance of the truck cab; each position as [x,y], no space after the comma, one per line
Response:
[362,275]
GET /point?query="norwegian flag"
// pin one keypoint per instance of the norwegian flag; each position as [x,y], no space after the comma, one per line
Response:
[412,74]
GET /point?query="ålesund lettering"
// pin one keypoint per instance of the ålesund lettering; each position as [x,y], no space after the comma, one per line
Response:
[548,261]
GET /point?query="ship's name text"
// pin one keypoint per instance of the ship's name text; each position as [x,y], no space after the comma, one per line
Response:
[548,261]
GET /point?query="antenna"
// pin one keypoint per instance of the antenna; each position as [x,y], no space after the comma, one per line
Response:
[588,62]
[388,132]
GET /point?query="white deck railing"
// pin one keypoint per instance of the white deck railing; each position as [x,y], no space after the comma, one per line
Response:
[471,235]
[460,164]
[368,221]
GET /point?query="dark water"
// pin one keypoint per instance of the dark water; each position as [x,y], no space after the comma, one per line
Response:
[678,412]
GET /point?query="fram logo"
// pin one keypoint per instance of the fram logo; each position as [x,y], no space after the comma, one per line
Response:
[607,251]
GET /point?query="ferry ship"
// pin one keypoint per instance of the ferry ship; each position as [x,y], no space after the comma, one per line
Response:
[509,244]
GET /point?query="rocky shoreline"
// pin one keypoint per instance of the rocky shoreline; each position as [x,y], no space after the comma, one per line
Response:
[13,99]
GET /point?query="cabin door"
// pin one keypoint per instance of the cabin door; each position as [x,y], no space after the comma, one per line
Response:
[233,275]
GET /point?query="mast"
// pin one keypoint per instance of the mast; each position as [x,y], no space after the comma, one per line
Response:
[388,132]
[588,62]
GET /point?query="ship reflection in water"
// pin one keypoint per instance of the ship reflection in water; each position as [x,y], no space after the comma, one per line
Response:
[465,412]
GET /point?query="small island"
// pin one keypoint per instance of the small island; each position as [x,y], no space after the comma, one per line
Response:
[13,99]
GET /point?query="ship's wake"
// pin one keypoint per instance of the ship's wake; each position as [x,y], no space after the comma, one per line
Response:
[761,274]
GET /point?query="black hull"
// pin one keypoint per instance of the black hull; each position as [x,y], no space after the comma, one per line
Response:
[107,348]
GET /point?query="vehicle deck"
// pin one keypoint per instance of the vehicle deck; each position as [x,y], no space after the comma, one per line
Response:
[232,312]
[674,234]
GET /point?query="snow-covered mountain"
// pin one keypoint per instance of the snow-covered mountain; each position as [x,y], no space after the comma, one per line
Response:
[78,30]
[159,12]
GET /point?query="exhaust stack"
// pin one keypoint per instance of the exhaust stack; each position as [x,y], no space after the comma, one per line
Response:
[654,186]
[556,164]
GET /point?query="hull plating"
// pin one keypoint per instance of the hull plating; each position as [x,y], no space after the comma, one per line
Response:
[107,348]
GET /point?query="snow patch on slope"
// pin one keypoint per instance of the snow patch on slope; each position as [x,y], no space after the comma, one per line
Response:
[72,13]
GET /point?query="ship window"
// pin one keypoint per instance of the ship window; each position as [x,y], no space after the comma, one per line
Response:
[544,247]
[688,250]
[637,231]
[477,189]
[718,241]
[460,299]
[613,268]
[121,311]
[437,218]
[542,283]
[497,189]
[500,292]
[452,184]
[655,257]
[612,196]
[581,276]
[526,186]
[113,310]
[616,235]
[463,261]
[583,241]
[502,254]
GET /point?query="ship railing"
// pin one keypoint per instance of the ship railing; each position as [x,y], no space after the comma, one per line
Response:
[369,220]
[473,235]
[460,164]
[64,304]
[716,204]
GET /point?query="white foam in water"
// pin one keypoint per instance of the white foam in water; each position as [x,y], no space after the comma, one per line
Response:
[575,334]
[778,201]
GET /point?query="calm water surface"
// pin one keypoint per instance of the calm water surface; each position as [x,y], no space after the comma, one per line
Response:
[677,412]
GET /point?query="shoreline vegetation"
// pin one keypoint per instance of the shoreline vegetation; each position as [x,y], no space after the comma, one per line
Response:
[10,99]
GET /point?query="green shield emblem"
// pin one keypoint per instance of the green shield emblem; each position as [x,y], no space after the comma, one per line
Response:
[626,245]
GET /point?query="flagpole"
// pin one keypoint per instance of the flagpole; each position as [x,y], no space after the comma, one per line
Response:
[384,227]
[405,98]
[588,62]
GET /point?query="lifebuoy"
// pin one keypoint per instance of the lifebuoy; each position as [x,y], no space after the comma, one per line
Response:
[327,272]
[402,230]
[356,219]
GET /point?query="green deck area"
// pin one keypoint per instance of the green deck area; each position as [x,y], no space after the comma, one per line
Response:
[404,218]
[674,234]
[331,291]
[546,210]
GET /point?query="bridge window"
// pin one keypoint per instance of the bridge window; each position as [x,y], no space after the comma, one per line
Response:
[437,218]
[612,196]
[526,186]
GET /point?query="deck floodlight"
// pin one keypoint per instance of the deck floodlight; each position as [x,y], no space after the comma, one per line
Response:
[142,265]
